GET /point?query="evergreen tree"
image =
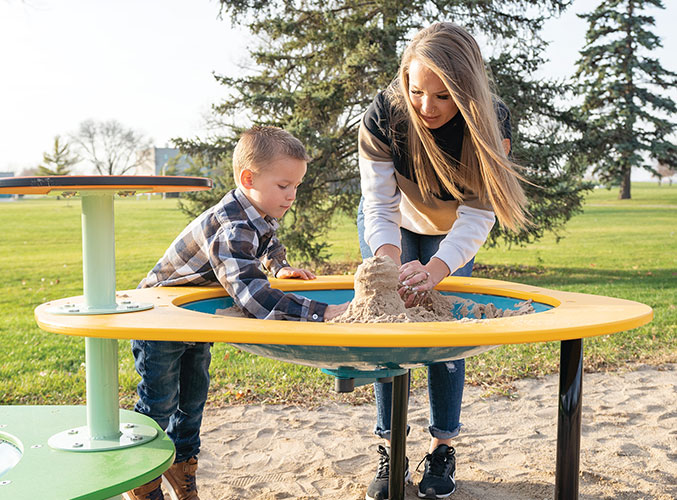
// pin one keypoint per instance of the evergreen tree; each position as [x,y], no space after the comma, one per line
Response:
[318,65]
[59,161]
[628,119]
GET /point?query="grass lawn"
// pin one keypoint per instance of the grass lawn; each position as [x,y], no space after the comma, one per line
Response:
[625,249]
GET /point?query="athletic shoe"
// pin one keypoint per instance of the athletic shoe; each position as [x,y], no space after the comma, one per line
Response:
[378,488]
[438,478]
[181,478]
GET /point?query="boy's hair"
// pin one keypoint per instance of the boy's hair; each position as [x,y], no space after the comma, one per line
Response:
[259,145]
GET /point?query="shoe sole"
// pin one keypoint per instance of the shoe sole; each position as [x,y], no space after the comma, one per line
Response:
[168,487]
[435,495]
[407,480]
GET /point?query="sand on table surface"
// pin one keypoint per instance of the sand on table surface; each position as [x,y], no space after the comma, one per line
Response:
[506,449]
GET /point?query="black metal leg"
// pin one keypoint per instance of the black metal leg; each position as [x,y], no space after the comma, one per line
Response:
[398,436]
[569,419]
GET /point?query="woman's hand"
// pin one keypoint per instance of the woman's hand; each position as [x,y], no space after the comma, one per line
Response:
[294,272]
[334,310]
[418,280]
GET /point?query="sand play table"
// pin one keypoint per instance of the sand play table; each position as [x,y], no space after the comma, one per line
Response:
[375,350]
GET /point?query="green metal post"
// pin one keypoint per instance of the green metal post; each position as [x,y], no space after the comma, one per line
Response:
[98,249]
[98,274]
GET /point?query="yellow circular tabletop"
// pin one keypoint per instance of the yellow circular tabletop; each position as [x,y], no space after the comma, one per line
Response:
[117,183]
[572,316]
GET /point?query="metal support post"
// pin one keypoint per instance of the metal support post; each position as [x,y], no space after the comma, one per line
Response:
[398,436]
[569,419]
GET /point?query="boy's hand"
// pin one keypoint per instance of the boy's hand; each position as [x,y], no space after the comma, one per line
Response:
[294,272]
[334,310]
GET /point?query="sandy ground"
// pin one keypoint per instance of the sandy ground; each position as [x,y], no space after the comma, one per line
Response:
[505,451]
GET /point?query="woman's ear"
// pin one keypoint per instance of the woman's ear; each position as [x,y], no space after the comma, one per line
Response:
[247,178]
[506,146]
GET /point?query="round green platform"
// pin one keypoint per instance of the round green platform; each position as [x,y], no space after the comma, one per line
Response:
[46,473]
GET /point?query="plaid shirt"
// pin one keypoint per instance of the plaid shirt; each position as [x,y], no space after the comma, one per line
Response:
[226,245]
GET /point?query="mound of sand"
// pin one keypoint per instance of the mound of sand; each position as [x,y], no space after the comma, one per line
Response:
[377,300]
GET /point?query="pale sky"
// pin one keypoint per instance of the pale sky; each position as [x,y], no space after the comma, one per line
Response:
[148,64]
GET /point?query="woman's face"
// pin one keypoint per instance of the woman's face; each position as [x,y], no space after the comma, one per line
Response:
[429,96]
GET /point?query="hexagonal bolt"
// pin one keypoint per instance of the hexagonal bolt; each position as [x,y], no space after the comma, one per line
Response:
[77,445]
[73,431]
[129,426]
[136,437]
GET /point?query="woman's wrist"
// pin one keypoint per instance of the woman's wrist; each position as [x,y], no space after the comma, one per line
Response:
[438,270]
[389,250]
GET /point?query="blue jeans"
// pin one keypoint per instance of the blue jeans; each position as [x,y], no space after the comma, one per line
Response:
[445,380]
[173,389]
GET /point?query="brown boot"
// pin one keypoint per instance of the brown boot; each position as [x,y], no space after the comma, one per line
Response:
[181,477]
[149,491]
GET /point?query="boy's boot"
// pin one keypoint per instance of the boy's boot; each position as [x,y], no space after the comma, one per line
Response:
[149,491]
[181,477]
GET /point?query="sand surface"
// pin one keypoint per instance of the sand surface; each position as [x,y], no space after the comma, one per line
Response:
[506,449]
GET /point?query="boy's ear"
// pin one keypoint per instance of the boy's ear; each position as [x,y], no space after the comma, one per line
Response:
[246,178]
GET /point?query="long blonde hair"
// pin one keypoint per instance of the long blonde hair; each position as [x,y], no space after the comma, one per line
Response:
[454,56]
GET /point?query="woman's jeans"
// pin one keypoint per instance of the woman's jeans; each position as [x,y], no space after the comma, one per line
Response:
[445,380]
[173,389]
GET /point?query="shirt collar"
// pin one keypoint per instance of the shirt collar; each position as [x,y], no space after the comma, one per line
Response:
[262,224]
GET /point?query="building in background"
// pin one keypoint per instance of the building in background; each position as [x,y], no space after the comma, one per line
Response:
[162,161]
[6,174]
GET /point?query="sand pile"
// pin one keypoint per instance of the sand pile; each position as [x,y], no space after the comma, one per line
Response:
[377,300]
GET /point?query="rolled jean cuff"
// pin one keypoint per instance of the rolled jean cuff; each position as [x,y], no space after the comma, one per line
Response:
[440,434]
[386,434]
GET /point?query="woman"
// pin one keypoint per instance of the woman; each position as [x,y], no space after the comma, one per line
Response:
[435,175]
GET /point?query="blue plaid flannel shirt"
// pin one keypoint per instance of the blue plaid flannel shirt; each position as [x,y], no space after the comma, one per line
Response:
[226,245]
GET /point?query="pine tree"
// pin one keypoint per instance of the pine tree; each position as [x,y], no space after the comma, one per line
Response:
[629,120]
[59,161]
[318,65]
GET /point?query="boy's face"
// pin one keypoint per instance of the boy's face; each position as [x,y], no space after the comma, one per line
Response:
[273,190]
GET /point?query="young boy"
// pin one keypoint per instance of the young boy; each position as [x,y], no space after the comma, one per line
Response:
[225,245]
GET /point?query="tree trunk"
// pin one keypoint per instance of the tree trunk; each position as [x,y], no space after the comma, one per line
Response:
[624,193]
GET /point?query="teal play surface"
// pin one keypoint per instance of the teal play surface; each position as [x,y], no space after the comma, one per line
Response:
[366,358]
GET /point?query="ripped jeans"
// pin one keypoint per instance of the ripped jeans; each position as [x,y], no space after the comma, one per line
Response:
[445,380]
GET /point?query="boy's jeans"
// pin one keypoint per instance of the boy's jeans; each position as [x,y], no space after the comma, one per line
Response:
[445,380]
[173,389]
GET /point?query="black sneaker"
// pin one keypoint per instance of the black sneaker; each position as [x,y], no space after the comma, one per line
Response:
[378,488]
[438,478]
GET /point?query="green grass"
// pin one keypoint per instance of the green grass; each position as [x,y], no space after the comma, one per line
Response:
[625,249]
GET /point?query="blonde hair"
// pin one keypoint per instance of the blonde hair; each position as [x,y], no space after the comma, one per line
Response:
[454,56]
[260,145]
